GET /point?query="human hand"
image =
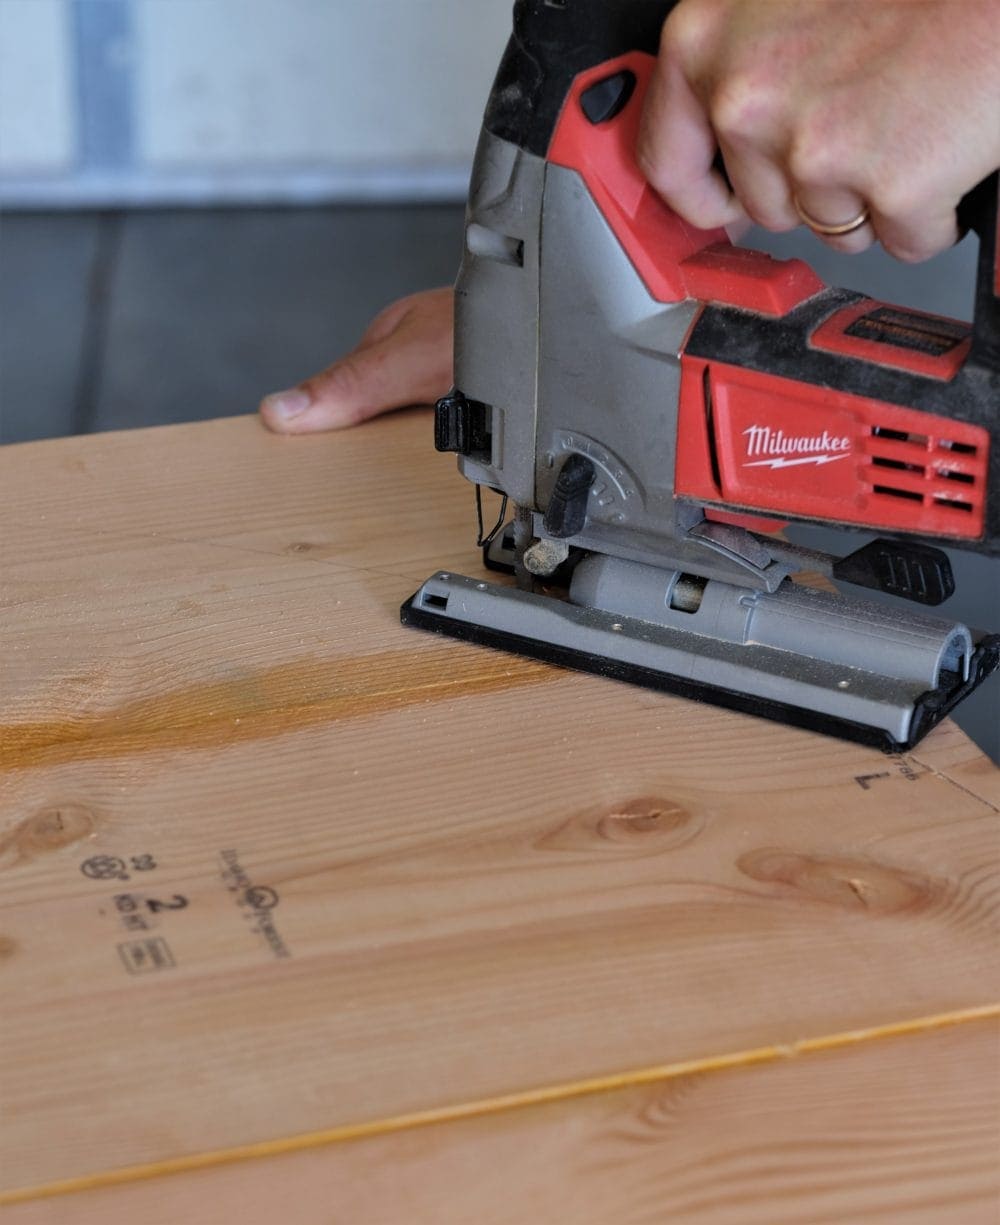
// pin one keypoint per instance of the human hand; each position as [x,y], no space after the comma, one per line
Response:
[842,105]
[405,357]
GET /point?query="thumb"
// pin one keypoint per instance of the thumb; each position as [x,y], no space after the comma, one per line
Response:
[404,358]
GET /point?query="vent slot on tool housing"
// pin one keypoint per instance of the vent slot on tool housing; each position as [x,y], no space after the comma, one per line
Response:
[492,244]
[944,477]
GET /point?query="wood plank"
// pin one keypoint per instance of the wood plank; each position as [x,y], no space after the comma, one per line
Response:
[491,876]
[904,1131]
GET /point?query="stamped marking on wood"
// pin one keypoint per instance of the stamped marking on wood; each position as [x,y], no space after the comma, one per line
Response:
[134,911]
[256,902]
[114,867]
[911,770]
[907,768]
[903,767]
[146,956]
[865,781]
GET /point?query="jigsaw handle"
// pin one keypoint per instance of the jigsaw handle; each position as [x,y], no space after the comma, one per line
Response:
[553,43]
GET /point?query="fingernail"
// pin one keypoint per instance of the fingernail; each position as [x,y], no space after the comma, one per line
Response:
[288,404]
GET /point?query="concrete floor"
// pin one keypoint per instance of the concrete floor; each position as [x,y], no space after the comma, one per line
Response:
[121,319]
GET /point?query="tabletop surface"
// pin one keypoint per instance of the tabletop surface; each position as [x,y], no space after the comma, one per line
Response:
[307,915]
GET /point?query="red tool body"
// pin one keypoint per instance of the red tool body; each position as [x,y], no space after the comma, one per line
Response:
[767,421]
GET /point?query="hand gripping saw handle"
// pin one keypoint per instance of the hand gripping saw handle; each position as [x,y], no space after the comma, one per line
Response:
[909,403]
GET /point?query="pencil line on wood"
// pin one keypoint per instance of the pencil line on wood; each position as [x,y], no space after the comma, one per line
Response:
[544,1095]
[955,783]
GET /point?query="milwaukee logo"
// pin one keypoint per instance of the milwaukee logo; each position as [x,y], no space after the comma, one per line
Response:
[789,450]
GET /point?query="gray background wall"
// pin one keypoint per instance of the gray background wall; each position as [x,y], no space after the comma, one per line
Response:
[106,102]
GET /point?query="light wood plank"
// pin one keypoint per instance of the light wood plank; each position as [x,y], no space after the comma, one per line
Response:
[493,876]
[902,1131]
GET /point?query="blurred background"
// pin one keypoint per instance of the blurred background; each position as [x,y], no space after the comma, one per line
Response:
[202,201]
[240,185]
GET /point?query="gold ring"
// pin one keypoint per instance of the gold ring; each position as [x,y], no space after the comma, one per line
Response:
[818,227]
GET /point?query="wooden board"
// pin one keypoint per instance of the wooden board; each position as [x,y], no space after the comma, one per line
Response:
[385,878]
[903,1131]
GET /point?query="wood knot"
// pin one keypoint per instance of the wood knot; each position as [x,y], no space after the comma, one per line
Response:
[646,818]
[8,948]
[664,1107]
[302,546]
[640,825]
[51,829]
[852,884]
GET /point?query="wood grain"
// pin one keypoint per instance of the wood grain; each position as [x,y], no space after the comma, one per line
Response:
[903,1131]
[470,875]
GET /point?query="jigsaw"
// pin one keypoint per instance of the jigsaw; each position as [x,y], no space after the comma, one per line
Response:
[654,402]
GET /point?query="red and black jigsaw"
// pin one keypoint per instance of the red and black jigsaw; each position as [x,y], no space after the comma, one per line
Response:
[651,399]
